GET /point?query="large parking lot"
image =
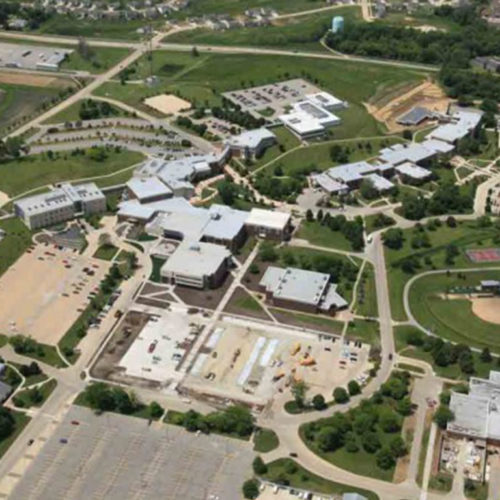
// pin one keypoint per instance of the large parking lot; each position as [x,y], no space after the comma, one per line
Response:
[275,96]
[44,292]
[114,457]
[29,56]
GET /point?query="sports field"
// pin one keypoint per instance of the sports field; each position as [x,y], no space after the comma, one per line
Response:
[484,255]
[453,318]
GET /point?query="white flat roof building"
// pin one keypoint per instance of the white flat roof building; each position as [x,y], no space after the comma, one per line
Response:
[148,188]
[413,171]
[268,219]
[326,101]
[463,122]
[331,186]
[380,183]
[252,142]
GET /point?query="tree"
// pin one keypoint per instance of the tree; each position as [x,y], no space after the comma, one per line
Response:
[393,238]
[7,422]
[370,442]
[389,420]
[485,356]
[368,189]
[250,489]
[267,252]
[258,465]
[155,410]
[353,388]
[398,446]
[309,215]
[330,438]
[385,459]
[299,390]
[100,397]
[340,395]
[404,406]
[228,192]
[318,402]
[194,52]
[442,416]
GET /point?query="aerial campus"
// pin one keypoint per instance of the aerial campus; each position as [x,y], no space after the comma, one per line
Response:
[250,249]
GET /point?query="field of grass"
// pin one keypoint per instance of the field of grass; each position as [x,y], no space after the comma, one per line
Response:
[101,59]
[202,79]
[87,28]
[247,302]
[17,239]
[105,252]
[23,400]
[303,479]
[453,319]
[302,32]
[18,101]
[482,369]
[285,142]
[323,236]
[317,155]
[155,272]
[265,440]
[72,113]
[313,321]
[465,235]
[365,331]
[366,300]
[20,175]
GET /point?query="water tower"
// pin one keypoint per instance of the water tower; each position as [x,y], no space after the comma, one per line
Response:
[337,24]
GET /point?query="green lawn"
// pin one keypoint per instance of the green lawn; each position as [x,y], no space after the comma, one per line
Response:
[23,400]
[17,239]
[105,252]
[20,175]
[155,272]
[309,320]
[365,331]
[366,300]
[285,142]
[72,114]
[321,235]
[371,223]
[453,319]
[31,379]
[21,421]
[465,235]
[248,302]
[265,440]
[202,79]
[482,369]
[101,59]
[303,479]
[302,33]
[46,354]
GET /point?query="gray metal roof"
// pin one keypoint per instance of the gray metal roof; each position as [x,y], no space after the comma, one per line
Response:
[415,116]
[250,139]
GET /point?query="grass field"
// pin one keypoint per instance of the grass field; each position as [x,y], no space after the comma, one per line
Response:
[453,319]
[465,235]
[265,440]
[365,331]
[17,239]
[101,59]
[72,113]
[482,369]
[23,174]
[17,101]
[302,32]
[105,252]
[23,400]
[87,28]
[312,321]
[202,79]
[285,142]
[323,236]
[366,300]
[298,477]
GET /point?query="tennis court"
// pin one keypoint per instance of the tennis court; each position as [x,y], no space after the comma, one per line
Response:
[484,255]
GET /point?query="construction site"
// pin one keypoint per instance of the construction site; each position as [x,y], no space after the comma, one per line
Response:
[243,363]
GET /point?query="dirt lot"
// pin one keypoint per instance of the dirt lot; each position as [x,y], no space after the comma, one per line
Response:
[33,80]
[43,293]
[167,104]
[488,309]
[204,299]
[390,107]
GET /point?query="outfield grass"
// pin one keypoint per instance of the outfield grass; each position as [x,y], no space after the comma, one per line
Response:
[303,33]
[20,175]
[366,300]
[202,79]
[453,319]
[465,236]
[265,440]
[303,479]
[321,235]
[365,331]
[17,239]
